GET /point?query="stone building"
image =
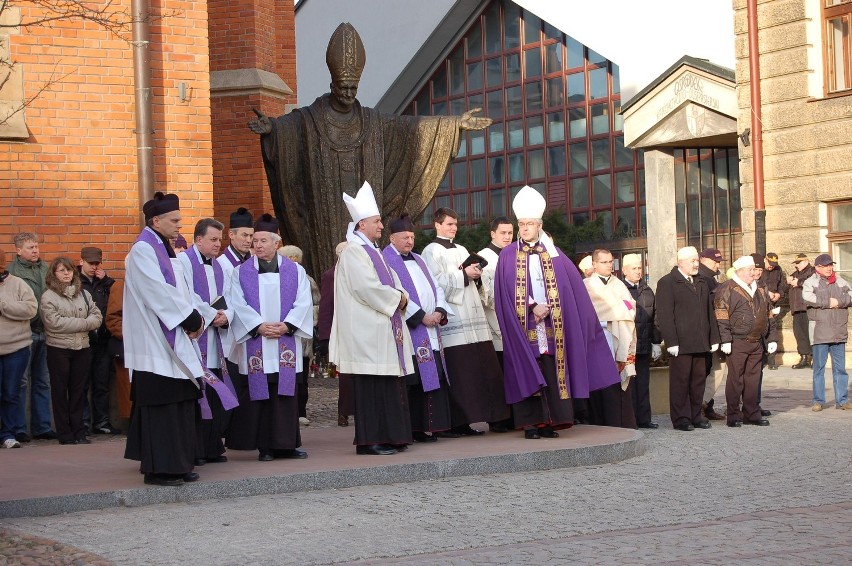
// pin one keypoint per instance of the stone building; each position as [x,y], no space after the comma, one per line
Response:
[805,111]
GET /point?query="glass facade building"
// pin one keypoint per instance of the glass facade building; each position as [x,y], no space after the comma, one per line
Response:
[555,105]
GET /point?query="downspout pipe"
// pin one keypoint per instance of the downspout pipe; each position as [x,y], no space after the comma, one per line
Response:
[756,129]
[142,95]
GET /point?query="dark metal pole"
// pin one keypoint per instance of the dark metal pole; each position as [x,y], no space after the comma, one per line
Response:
[756,130]
[142,87]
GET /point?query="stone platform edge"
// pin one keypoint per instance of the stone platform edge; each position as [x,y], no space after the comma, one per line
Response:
[329,479]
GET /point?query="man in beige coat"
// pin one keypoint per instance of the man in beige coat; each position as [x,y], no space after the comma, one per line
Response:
[369,339]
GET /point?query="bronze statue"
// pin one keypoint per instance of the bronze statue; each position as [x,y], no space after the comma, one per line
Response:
[316,153]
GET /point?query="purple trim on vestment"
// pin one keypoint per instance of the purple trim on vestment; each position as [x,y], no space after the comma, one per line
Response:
[149,237]
[235,261]
[199,282]
[386,278]
[288,276]
[419,334]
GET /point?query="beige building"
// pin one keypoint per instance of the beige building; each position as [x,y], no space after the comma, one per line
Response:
[805,89]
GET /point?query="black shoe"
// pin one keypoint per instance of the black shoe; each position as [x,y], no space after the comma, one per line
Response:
[498,428]
[446,434]
[467,431]
[686,427]
[773,367]
[23,437]
[548,432]
[290,454]
[216,460]
[375,450]
[190,477]
[200,461]
[735,424]
[66,442]
[49,435]
[83,440]
[163,479]
[265,456]
[801,364]
[765,412]
[758,422]
[703,425]
[649,425]
[531,434]
[106,429]
[423,437]
[398,447]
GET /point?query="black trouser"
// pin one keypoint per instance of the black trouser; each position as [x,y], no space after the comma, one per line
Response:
[302,388]
[69,370]
[641,389]
[744,373]
[101,372]
[800,331]
[687,377]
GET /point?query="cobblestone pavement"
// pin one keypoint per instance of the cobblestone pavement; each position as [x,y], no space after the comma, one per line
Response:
[778,494]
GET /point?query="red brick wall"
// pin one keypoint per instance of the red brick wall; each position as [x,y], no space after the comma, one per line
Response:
[244,35]
[74,180]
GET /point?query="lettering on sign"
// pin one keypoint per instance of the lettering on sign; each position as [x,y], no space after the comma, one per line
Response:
[689,86]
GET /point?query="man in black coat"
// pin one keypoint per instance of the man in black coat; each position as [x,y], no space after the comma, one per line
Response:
[775,281]
[687,323]
[647,338]
[709,261]
[799,309]
[95,280]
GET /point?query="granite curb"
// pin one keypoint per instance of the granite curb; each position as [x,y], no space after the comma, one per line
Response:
[330,479]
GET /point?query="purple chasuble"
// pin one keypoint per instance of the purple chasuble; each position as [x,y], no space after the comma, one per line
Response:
[386,278]
[199,282]
[166,268]
[288,283]
[420,334]
[588,360]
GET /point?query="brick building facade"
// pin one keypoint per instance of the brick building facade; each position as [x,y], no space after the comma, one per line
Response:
[70,174]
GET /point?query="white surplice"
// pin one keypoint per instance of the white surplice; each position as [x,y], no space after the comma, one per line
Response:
[149,299]
[488,296]
[246,319]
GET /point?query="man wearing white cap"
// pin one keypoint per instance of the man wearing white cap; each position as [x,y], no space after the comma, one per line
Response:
[586,266]
[647,338]
[688,326]
[271,300]
[554,349]
[746,324]
[476,381]
[369,340]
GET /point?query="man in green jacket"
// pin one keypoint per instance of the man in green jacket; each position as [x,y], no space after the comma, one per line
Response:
[28,266]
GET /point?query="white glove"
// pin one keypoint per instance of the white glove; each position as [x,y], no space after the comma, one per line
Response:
[776,310]
[673,351]
[713,348]
[771,347]
[656,351]
[726,348]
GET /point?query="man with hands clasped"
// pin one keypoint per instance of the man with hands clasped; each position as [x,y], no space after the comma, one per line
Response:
[688,326]
[746,323]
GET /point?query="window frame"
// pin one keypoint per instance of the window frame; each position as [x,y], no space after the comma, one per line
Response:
[843,10]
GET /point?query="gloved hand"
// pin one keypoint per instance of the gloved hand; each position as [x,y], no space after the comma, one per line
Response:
[771,347]
[726,348]
[776,311]
[656,351]
[673,351]
[713,348]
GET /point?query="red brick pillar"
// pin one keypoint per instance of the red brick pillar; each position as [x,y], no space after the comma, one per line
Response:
[252,65]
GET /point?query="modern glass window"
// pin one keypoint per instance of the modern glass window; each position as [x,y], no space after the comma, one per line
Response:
[554,104]
[840,236]
[460,206]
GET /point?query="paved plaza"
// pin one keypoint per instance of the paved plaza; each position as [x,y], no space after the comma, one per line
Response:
[780,494]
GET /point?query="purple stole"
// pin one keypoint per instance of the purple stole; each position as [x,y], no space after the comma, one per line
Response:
[166,269]
[386,278]
[231,257]
[288,276]
[420,334]
[199,282]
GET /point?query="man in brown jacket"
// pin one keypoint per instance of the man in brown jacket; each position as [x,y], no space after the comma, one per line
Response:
[746,327]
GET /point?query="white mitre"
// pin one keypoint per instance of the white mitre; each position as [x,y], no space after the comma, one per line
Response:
[529,203]
[363,205]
